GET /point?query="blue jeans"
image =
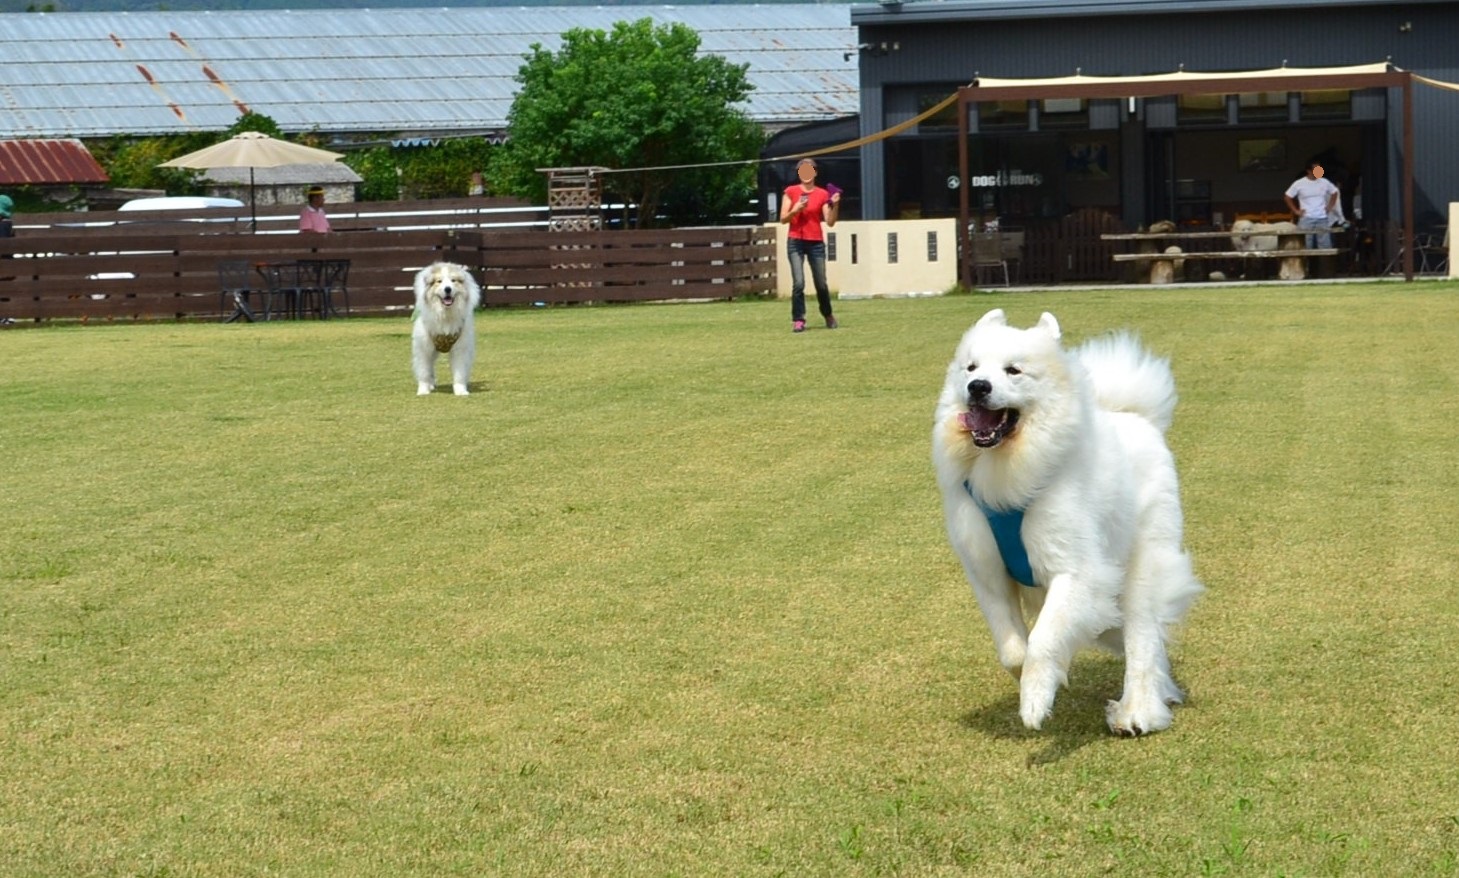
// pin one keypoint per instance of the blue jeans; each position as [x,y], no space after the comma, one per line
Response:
[1322,240]
[802,251]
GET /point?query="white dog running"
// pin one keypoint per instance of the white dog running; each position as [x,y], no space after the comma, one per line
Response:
[446,296]
[1066,450]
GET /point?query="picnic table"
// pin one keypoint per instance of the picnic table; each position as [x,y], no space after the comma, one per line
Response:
[1150,248]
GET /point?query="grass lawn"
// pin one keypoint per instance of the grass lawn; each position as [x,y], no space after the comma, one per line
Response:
[669,594]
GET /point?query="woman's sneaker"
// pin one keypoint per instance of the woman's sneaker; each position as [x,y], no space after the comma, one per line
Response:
[831,323]
[797,326]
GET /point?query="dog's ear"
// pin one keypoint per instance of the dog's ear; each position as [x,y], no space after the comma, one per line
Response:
[996,317]
[1048,324]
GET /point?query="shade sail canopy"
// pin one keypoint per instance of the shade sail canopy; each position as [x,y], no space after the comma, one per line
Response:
[252,149]
[1186,76]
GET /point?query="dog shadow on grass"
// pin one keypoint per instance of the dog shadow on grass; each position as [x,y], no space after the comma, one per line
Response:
[1078,719]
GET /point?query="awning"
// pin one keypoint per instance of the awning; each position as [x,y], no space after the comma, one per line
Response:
[1185,82]
[1186,76]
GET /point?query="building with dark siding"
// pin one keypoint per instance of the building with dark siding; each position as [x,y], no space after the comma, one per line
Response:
[1193,159]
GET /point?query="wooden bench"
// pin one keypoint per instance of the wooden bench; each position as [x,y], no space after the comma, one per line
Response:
[1291,250]
[1162,265]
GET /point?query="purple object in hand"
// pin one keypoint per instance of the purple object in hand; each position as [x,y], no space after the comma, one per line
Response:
[833,189]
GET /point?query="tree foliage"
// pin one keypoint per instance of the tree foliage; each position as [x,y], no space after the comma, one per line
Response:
[132,162]
[440,170]
[637,98]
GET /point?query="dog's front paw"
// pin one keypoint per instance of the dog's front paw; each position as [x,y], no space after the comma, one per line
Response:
[1036,691]
[460,390]
[1132,717]
[424,389]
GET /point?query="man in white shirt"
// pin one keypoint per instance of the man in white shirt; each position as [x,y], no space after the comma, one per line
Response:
[1315,205]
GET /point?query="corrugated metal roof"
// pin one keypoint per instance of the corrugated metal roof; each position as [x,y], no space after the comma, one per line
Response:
[411,71]
[40,162]
[893,11]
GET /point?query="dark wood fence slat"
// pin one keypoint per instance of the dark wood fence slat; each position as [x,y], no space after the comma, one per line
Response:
[170,274]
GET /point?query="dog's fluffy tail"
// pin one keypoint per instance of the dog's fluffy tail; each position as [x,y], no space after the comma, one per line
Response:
[1126,377]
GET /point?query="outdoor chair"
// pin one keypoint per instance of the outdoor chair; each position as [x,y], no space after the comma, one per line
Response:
[331,277]
[988,257]
[235,286]
[313,296]
[284,288]
[1010,247]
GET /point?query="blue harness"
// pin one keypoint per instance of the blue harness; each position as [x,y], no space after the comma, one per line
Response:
[1008,534]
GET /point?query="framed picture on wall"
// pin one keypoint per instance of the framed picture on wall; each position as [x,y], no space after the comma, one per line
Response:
[1268,154]
[1088,161]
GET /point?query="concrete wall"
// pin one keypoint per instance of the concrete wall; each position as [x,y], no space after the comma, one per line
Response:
[861,263]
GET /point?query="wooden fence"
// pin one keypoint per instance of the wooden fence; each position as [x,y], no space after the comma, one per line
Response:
[164,268]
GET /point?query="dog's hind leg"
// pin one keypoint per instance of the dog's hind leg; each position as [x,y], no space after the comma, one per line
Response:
[461,356]
[1160,591]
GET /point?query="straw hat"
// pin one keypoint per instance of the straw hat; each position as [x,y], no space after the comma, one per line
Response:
[315,190]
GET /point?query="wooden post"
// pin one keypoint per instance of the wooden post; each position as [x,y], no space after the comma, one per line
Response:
[964,245]
[1293,267]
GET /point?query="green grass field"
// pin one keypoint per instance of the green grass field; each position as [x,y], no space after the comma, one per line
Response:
[669,594]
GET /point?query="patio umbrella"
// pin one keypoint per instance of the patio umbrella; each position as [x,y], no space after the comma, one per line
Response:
[252,149]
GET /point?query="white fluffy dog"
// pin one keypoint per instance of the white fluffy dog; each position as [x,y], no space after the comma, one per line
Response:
[1246,235]
[446,296]
[1054,473]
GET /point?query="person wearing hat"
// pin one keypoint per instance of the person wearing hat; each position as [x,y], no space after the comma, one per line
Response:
[312,218]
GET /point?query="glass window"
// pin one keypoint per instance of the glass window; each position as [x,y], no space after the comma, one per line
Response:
[1003,115]
[1063,113]
[945,120]
[1262,106]
[1200,109]
[1333,103]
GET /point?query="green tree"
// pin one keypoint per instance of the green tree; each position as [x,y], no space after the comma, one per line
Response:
[252,121]
[378,171]
[638,98]
[132,162]
[442,170]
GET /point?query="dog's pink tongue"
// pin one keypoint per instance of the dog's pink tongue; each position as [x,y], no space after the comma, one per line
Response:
[980,420]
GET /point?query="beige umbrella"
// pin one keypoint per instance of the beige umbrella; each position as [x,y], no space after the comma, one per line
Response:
[252,149]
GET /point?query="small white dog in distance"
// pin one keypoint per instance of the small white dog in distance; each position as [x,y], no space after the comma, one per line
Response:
[446,297]
[1055,474]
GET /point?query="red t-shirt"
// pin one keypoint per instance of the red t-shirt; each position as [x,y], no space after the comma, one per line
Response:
[806,225]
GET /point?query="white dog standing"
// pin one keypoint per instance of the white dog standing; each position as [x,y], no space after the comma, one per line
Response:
[446,297]
[1054,472]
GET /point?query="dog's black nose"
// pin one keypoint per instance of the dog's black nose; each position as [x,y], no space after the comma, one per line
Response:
[979,388]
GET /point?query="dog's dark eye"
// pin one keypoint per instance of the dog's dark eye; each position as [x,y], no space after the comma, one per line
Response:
[972,367]
[1012,370]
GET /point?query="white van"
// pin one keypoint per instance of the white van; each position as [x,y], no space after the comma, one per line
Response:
[180,202]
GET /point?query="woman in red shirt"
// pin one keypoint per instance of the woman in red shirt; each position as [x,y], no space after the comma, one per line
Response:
[804,206]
